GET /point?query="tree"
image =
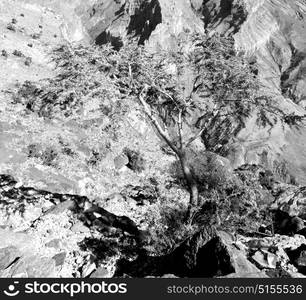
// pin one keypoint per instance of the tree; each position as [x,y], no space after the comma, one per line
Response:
[202,77]
[184,92]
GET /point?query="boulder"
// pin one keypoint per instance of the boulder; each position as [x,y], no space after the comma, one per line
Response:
[265,259]
[212,254]
[298,258]
[7,256]
[292,201]
[101,272]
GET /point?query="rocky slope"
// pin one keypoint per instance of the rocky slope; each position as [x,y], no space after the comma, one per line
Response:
[58,164]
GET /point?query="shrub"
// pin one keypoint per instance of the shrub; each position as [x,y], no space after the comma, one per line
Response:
[18,53]
[47,156]
[28,61]
[136,161]
[4,53]
[11,27]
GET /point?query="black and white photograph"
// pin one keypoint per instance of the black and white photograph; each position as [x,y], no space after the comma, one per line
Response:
[152,140]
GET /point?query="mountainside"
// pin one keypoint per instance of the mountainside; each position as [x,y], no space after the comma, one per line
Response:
[89,182]
[273,31]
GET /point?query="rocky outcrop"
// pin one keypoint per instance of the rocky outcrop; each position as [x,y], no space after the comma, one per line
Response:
[46,234]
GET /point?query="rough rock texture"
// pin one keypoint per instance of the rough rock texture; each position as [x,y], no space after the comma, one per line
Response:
[56,155]
[45,234]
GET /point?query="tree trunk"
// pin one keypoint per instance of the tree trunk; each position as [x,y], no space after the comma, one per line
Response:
[192,186]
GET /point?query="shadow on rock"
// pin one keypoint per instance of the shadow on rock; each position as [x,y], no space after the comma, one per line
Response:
[208,253]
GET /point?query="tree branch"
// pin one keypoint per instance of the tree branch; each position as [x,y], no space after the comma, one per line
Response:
[179,129]
[163,133]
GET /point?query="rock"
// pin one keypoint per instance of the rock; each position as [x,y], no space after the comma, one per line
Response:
[7,256]
[88,269]
[62,207]
[296,275]
[101,272]
[24,242]
[216,255]
[59,258]
[33,267]
[265,259]
[121,161]
[298,258]
[241,265]
[141,194]
[246,275]
[285,224]
[55,243]
[292,202]
[278,273]
[108,219]
[208,253]
[79,227]
[164,276]
[40,267]
[301,261]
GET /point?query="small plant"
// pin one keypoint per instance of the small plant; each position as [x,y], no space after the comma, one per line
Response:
[11,27]
[35,36]
[136,161]
[4,53]
[28,61]
[95,158]
[18,53]
[47,156]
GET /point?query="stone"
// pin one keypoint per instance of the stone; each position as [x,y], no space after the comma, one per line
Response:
[121,161]
[239,261]
[301,260]
[212,254]
[293,202]
[23,241]
[7,256]
[40,267]
[62,207]
[246,275]
[101,272]
[80,228]
[33,267]
[59,258]
[265,259]
[88,269]
[55,243]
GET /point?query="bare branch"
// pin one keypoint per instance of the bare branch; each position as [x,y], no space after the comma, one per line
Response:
[179,129]
[163,133]
[216,114]
[195,137]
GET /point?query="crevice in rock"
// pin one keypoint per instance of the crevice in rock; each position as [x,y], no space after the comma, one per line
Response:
[145,19]
[106,37]
[203,255]
[223,12]
[298,258]
[291,74]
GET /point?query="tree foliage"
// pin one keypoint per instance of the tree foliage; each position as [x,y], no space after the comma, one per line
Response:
[183,92]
